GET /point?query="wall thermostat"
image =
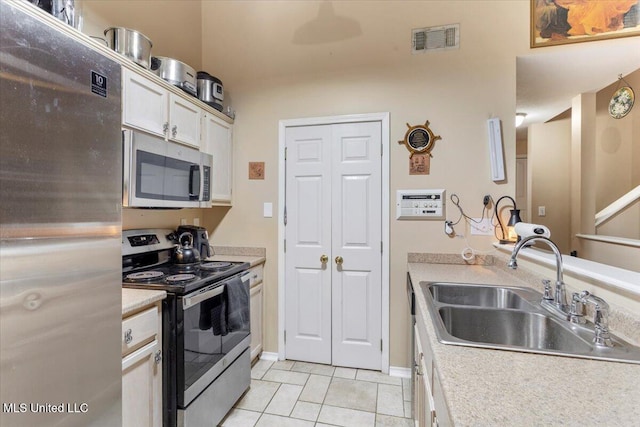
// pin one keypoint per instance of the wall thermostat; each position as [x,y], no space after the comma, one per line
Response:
[420,204]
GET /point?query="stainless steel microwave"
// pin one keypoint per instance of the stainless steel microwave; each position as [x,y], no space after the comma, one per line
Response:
[163,174]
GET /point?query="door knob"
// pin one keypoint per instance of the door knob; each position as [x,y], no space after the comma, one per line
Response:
[324,259]
[339,260]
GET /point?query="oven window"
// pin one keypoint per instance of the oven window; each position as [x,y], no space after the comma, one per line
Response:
[214,327]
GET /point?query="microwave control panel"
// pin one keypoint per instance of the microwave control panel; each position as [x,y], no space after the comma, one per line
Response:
[420,204]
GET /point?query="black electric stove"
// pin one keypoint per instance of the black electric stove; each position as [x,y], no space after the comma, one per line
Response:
[206,326]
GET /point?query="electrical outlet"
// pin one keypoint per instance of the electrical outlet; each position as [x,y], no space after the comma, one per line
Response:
[482,227]
[196,221]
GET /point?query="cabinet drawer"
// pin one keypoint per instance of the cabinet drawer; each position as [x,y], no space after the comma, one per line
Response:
[256,275]
[139,329]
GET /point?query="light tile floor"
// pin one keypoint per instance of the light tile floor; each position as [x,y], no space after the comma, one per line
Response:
[300,394]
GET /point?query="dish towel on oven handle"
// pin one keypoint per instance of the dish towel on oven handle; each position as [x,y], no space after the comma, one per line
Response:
[237,305]
[213,314]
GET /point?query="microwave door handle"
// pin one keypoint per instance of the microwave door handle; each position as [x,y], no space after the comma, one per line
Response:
[194,182]
[190,301]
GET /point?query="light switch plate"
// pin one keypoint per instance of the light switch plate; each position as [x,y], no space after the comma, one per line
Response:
[267,210]
[542,210]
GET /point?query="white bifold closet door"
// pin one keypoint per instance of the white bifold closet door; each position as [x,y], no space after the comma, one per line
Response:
[333,257]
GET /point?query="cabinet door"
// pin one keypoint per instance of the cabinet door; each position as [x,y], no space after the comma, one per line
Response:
[255,308]
[142,387]
[184,121]
[218,141]
[424,406]
[144,104]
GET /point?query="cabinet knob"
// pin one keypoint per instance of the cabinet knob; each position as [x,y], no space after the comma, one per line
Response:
[339,260]
[174,131]
[324,259]
[165,128]
[128,336]
[158,356]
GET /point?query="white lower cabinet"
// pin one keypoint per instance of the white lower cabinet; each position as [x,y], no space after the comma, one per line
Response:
[255,307]
[430,406]
[424,406]
[142,368]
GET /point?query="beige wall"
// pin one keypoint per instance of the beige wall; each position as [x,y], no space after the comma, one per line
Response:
[617,146]
[173,26]
[270,78]
[549,155]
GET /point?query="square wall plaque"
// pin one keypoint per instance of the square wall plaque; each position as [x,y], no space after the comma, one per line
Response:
[419,164]
[256,170]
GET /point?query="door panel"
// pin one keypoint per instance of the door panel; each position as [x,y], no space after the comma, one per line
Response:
[308,237]
[357,237]
[355,285]
[355,224]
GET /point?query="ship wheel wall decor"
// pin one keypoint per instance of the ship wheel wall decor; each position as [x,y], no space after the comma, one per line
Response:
[419,139]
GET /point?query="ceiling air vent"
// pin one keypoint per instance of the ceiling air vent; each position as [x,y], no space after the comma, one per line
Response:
[435,38]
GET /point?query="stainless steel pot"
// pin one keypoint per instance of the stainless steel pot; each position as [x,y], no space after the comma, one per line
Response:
[130,43]
[185,253]
[175,72]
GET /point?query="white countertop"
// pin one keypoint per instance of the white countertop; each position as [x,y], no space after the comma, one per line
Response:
[485,387]
[136,299]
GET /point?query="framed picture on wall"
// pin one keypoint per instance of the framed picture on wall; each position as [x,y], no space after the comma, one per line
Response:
[555,22]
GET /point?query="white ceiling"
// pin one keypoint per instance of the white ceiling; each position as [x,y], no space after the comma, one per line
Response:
[549,77]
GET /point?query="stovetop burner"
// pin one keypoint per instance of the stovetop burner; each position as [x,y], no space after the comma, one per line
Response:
[180,278]
[215,266]
[144,277]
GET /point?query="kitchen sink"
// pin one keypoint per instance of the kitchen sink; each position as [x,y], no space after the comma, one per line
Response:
[510,328]
[512,318]
[483,296]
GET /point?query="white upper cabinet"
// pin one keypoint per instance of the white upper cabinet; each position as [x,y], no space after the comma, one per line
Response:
[145,104]
[149,107]
[184,118]
[217,140]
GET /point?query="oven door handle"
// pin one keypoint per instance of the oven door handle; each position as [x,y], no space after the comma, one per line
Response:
[190,301]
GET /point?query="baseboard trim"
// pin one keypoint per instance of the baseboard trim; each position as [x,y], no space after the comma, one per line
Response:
[269,356]
[396,371]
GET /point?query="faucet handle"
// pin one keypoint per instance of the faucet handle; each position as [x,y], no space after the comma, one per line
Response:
[600,320]
[547,290]
[576,312]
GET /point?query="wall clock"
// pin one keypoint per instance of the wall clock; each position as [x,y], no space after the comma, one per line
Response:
[419,139]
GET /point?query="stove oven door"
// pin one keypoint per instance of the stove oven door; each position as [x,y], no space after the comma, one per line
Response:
[213,332]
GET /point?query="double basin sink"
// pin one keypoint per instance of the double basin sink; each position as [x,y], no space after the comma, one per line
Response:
[512,318]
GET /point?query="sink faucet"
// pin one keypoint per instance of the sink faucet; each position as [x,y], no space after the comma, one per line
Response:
[559,300]
[600,319]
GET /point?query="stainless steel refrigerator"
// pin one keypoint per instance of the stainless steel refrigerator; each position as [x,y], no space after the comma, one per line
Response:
[60,227]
